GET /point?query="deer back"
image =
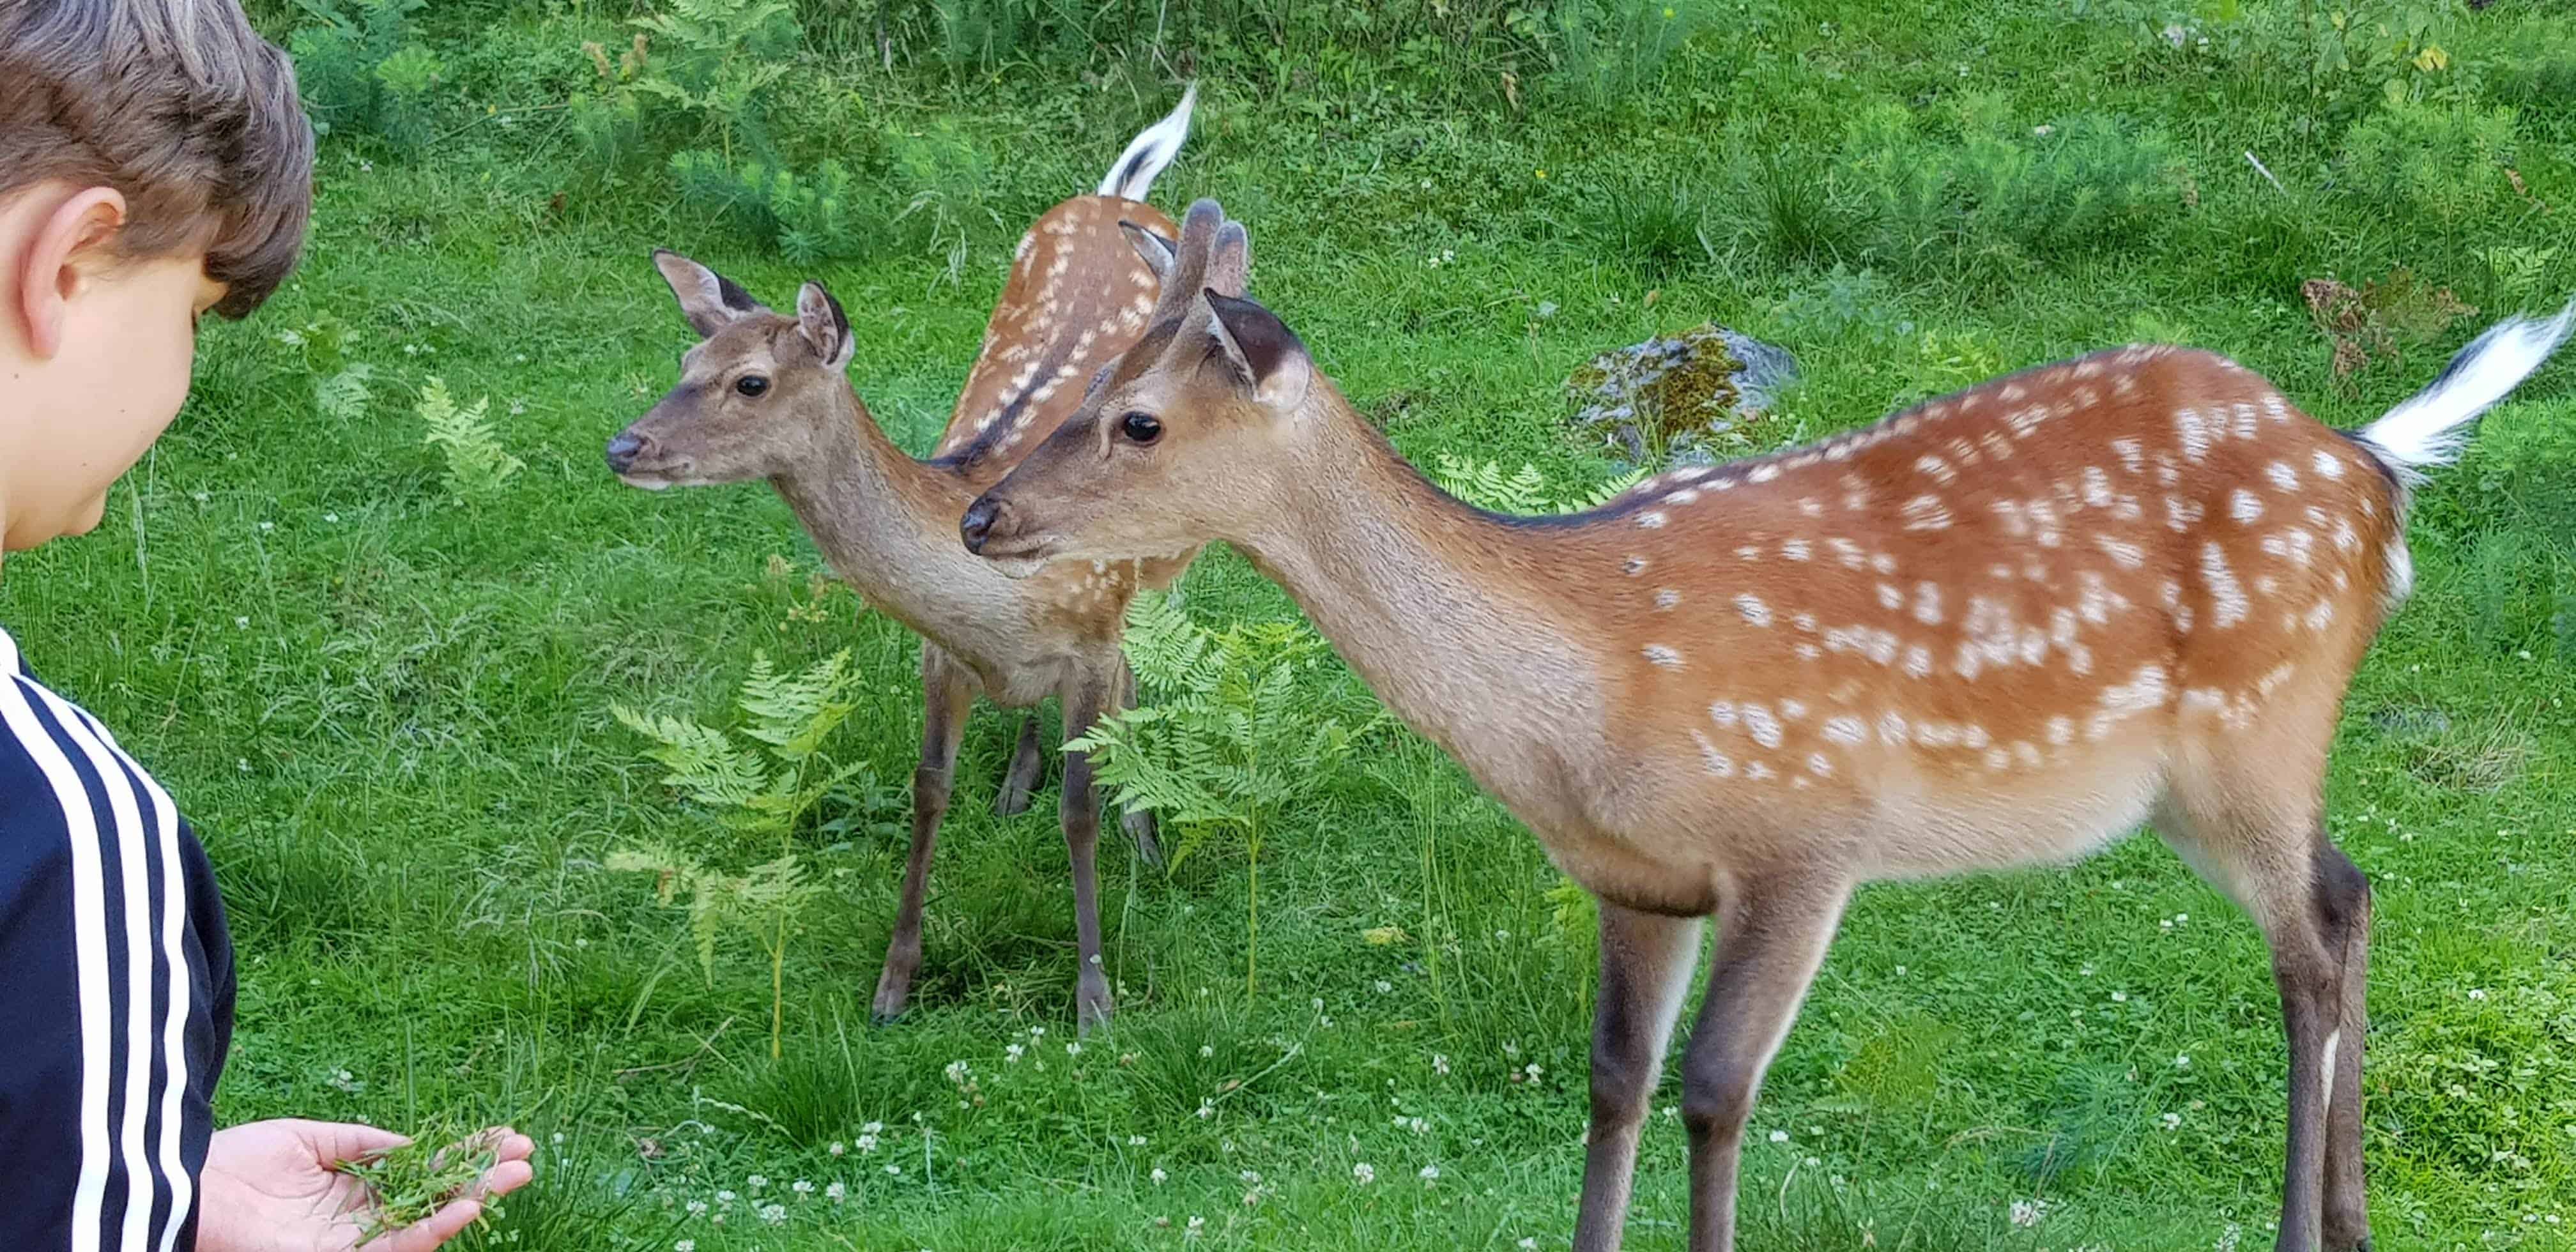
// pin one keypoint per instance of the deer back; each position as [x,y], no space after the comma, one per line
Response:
[1079,295]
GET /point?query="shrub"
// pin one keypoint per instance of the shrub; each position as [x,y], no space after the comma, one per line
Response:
[365,72]
[700,73]
[2006,195]
[2429,162]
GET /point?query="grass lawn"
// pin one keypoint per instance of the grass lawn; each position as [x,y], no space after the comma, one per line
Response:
[386,703]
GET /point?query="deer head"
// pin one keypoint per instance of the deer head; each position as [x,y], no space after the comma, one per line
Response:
[756,395]
[1188,418]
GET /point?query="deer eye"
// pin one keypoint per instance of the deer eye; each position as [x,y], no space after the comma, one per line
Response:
[751,385]
[1141,427]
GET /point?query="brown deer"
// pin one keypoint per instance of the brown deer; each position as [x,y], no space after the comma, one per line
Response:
[2004,627]
[767,396]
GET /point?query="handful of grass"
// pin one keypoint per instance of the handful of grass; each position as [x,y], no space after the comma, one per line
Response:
[407,1184]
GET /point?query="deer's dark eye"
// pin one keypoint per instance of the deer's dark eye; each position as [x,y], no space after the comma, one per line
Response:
[751,385]
[1141,427]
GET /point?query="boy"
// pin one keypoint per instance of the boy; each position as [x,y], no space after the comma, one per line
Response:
[154,165]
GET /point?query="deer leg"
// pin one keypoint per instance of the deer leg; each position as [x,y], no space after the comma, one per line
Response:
[2266,847]
[1772,934]
[1084,695]
[1646,964]
[2343,899]
[1028,766]
[947,696]
[1139,825]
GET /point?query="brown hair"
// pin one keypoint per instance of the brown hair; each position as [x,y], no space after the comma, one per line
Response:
[179,105]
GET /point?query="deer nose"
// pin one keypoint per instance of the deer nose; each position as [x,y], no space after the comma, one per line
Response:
[977,525]
[623,450]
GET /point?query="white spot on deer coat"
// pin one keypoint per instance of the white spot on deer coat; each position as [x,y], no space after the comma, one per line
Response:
[2228,605]
[1753,609]
[2244,505]
[1845,730]
[2282,475]
[1663,656]
[1926,513]
[1652,519]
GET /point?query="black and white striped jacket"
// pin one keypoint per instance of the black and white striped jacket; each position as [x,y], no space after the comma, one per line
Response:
[116,988]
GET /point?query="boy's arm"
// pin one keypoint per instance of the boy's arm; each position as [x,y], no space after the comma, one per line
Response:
[119,983]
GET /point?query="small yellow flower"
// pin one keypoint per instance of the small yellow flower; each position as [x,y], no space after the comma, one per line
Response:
[1668,13]
[1542,173]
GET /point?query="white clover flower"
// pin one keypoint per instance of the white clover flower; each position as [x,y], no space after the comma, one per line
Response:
[685,1245]
[837,1148]
[2026,1213]
[837,1192]
[697,1208]
[1779,1136]
[774,1214]
[867,1143]
[1207,1050]
[2182,1062]
[802,1187]
[1012,1054]
[756,1182]
[2172,1121]
[1364,1173]
[726,1197]
[1135,1141]
[1159,1176]
[1440,1064]
[1430,1173]
[872,1128]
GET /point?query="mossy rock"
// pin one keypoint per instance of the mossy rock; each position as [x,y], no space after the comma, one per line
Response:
[1685,397]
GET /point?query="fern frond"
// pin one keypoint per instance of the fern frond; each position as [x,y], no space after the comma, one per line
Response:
[701,761]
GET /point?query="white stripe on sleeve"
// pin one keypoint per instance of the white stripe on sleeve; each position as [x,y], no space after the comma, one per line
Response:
[89,941]
[174,918]
[133,863]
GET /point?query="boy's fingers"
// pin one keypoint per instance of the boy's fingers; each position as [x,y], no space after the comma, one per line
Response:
[504,1178]
[335,1142]
[510,1145]
[428,1234]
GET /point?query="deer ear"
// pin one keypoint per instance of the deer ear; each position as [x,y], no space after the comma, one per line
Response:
[820,319]
[1229,267]
[1268,355]
[1159,253]
[709,300]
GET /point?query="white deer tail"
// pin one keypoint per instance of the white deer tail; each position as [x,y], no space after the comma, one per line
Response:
[1151,152]
[2430,428]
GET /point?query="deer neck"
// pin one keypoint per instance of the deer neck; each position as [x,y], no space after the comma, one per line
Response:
[886,522]
[1452,615]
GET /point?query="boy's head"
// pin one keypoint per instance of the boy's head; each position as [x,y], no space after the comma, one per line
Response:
[154,165]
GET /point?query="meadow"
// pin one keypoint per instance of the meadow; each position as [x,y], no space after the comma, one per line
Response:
[383,674]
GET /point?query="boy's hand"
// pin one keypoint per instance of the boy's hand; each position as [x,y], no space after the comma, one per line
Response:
[271,1187]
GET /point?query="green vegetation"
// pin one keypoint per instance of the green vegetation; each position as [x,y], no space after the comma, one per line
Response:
[383,675]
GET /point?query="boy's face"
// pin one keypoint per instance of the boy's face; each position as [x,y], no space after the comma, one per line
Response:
[95,357]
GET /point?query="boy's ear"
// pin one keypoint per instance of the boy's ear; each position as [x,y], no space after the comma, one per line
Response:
[69,239]
[1265,353]
[708,299]
[820,319]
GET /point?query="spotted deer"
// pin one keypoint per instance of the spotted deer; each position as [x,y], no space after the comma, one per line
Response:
[766,395]
[2000,628]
